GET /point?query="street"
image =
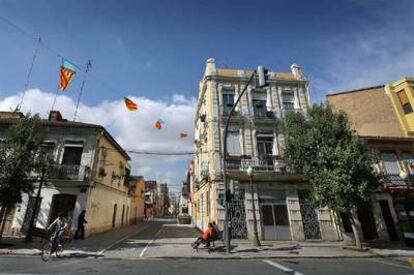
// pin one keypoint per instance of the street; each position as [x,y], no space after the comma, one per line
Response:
[34,265]
[149,247]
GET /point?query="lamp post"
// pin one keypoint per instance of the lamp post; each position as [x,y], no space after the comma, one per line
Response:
[263,79]
[256,241]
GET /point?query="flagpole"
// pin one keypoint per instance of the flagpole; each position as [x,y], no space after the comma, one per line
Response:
[54,100]
[88,67]
[29,74]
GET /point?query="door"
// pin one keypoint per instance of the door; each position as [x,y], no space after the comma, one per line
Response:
[389,221]
[310,220]
[275,222]
[62,203]
[114,215]
[9,221]
[366,217]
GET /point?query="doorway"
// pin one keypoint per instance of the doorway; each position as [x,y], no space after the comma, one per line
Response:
[62,203]
[366,218]
[389,221]
[275,221]
[114,215]
[310,220]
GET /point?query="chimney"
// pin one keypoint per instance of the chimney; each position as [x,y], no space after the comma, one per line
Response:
[55,115]
[210,67]
[297,71]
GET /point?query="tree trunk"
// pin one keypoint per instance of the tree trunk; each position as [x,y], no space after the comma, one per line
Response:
[352,216]
[3,216]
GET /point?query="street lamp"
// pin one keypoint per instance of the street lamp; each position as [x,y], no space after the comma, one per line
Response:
[262,82]
[256,241]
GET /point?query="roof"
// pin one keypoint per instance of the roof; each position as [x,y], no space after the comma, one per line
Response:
[356,90]
[71,124]
[370,110]
[246,73]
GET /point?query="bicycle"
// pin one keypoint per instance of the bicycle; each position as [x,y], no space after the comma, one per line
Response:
[52,246]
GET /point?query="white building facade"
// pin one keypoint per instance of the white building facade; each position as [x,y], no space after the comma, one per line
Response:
[255,139]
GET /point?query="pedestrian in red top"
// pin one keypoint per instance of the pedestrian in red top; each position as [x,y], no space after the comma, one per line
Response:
[206,237]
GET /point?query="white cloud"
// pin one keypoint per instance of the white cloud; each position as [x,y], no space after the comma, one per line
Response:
[133,130]
[367,56]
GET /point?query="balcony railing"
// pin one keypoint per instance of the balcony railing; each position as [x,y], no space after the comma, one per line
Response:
[265,164]
[204,172]
[69,172]
[394,180]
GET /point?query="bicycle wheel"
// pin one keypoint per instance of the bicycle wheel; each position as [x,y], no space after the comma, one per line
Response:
[59,250]
[46,251]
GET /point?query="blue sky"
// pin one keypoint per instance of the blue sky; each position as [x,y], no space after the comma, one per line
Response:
[156,50]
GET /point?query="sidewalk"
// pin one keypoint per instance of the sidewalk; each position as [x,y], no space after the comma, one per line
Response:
[92,246]
[174,242]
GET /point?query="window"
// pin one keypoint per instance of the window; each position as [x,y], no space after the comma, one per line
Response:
[48,149]
[72,154]
[259,107]
[390,163]
[405,103]
[259,103]
[228,102]
[281,214]
[264,146]
[233,143]
[288,98]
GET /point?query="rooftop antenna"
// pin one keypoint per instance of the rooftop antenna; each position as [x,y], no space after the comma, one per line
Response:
[29,74]
[88,67]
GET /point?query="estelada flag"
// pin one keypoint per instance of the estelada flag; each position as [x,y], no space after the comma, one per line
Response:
[131,105]
[183,135]
[67,73]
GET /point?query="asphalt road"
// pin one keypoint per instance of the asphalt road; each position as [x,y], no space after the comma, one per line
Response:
[34,265]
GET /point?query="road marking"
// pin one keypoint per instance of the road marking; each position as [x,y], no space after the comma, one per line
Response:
[123,239]
[282,267]
[392,264]
[150,242]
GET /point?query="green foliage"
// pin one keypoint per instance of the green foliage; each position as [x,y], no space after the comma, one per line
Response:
[20,158]
[323,147]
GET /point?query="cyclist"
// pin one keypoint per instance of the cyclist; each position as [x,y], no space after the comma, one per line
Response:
[60,225]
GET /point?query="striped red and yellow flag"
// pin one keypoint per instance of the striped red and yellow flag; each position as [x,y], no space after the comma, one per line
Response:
[131,105]
[67,73]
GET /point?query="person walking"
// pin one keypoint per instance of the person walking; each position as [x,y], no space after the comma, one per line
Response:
[81,225]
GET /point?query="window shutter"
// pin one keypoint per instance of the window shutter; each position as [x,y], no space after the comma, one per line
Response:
[403,97]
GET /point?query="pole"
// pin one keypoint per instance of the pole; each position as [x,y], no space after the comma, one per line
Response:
[226,187]
[88,67]
[256,241]
[29,235]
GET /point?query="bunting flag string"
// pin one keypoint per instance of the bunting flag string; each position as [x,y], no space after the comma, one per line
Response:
[131,105]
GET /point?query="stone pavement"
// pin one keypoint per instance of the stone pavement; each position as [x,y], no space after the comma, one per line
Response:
[164,239]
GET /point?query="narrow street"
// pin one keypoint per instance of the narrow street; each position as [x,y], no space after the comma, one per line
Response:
[146,249]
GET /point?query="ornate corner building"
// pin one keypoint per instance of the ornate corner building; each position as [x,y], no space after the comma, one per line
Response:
[255,139]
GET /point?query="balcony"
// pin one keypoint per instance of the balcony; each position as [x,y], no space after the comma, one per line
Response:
[69,172]
[394,180]
[204,172]
[262,164]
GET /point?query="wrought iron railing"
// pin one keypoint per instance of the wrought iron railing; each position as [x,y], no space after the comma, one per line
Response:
[396,180]
[69,172]
[266,164]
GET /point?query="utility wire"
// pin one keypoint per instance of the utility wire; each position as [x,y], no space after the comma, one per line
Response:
[153,152]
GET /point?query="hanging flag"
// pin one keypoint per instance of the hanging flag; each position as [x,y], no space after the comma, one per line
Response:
[67,73]
[131,105]
[159,123]
[183,135]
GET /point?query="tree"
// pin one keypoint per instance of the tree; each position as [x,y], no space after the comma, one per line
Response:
[19,159]
[339,166]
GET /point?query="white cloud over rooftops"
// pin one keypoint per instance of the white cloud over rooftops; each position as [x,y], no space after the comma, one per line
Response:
[134,131]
